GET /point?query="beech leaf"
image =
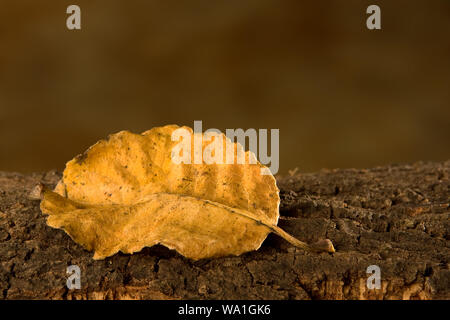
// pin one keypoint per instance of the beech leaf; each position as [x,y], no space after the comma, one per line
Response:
[125,193]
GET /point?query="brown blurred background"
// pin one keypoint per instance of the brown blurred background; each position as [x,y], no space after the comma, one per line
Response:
[342,96]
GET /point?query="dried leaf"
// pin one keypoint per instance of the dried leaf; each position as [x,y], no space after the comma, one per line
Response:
[126,193]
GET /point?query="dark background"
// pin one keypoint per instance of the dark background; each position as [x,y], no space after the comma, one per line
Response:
[342,95]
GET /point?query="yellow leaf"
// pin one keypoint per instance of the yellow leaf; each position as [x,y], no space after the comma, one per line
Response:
[126,193]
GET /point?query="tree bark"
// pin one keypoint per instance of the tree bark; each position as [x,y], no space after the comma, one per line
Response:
[395,217]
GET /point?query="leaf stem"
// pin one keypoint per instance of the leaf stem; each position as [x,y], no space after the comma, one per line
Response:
[320,246]
[324,245]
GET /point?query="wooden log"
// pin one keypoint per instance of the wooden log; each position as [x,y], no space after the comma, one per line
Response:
[395,217]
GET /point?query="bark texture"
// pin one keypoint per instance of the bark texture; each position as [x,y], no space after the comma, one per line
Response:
[395,217]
